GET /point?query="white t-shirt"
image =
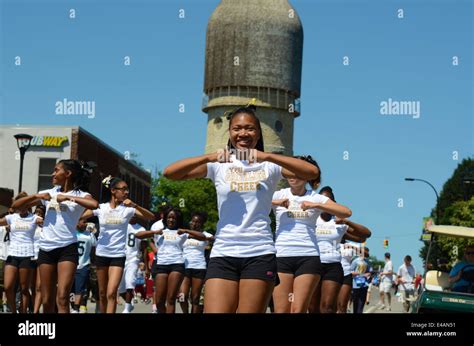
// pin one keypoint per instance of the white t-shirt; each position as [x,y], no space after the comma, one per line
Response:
[329,235]
[170,247]
[113,229]
[388,267]
[408,275]
[133,243]
[85,241]
[193,252]
[156,227]
[36,241]
[4,242]
[295,228]
[22,231]
[244,199]
[347,253]
[59,228]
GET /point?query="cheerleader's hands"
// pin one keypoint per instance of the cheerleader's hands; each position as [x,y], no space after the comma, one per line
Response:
[39,221]
[308,205]
[222,156]
[129,203]
[44,196]
[62,198]
[285,202]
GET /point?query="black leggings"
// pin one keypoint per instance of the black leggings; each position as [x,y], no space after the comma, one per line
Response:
[359,296]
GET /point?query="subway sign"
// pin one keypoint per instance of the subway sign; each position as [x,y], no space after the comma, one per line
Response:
[48,141]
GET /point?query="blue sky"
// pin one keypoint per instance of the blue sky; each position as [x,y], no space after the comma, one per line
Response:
[407,59]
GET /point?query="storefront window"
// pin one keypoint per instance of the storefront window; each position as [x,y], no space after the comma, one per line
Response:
[46,167]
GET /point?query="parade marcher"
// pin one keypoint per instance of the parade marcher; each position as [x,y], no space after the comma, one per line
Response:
[406,282]
[134,254]
[299,267]
[330,231]
[58,255]
[170,267]
[87,241]
[242,270]
[35,282]
[194,264]
[114,217]
[361,271]
[386,283]
[18,264]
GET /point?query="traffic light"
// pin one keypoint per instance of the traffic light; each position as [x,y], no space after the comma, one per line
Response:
[385,243]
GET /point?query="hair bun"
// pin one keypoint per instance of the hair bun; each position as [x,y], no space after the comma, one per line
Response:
[106,181]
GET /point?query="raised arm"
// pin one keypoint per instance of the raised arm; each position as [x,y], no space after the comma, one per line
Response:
[87,202]
[292,167]
[196,234]
[190,168]
[87,214]
[141,212]
[329,207]
[148,234]
[357,229]
[31,201]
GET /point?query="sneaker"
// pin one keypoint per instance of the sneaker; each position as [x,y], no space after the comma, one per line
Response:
[129,310]
[74,311]
[135,301]
[381,307]
[83,309]
[389,308]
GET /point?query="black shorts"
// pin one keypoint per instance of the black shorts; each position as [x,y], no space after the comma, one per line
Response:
[195,273]
[299,265]
[236,268]
[347,280]
[34,264]
[102,261]
[19,262]
[67,253]
[332,272]
[168,268]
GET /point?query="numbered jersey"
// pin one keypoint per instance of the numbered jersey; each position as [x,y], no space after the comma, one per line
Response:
[132,247]
[4,242]
[113,229]
[85,242]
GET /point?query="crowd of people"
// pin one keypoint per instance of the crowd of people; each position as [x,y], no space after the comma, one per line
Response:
[73,246]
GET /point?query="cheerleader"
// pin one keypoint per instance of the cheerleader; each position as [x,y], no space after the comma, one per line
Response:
[299,267]
[18,265]
[194,264]
[170,267]
[330,230]
[114,217]
[58,255]
[242,270]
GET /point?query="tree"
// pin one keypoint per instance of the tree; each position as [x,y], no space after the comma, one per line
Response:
[196,195]
[456,207]
[376,263]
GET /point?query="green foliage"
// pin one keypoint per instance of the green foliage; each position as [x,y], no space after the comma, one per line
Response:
[376,263]
[456,207]
[196,195]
